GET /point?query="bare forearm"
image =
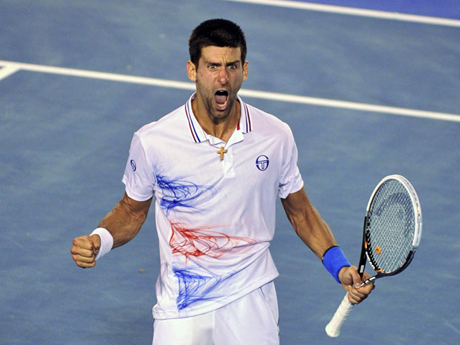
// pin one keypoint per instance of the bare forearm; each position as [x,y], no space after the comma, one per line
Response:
[325,229]
[121,230]
[308,223]
[125,220]
[316,234]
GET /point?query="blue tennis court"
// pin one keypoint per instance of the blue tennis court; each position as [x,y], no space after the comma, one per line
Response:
[366,93]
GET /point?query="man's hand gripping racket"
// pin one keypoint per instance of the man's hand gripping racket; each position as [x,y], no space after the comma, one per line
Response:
[391,236]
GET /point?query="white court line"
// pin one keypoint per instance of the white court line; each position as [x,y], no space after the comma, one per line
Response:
[97,75]
[7,71]
[274,96]
[355,12]
[350,105]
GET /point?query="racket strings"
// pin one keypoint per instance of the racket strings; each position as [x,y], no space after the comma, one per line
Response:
[390,227]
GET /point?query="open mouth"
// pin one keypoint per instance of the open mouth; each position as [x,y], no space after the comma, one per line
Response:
[221,97]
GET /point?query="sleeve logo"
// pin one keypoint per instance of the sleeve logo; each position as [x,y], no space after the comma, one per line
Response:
[133,164]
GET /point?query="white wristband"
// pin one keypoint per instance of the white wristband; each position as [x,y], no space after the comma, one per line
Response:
[106,241]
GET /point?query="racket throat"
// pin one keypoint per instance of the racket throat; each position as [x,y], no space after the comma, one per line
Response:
[362,258]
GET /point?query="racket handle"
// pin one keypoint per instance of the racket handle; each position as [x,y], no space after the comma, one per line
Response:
[333,327]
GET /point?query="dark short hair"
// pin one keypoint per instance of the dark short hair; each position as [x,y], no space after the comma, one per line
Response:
[219,33]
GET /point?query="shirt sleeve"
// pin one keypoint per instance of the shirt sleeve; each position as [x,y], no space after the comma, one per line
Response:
[138,178]
[291,180]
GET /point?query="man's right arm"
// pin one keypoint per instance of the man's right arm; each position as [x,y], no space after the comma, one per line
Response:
[123,223]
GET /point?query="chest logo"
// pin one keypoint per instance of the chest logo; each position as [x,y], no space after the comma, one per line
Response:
[262,162]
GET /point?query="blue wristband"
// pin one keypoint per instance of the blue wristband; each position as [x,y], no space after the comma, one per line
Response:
[334,260]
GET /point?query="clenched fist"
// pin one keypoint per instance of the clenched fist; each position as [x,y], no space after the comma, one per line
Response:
[85,249]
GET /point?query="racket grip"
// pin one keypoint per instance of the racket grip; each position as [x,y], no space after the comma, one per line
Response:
[333,327]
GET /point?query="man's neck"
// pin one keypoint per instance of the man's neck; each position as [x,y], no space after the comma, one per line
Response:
[219,128]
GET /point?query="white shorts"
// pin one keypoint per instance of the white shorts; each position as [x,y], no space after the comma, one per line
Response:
[251,320]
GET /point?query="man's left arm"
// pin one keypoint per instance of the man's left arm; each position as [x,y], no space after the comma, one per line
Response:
[316,234]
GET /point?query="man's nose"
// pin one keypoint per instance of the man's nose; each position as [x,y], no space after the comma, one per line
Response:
[223,77]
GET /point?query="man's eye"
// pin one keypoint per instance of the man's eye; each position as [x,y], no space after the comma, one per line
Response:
[212,67]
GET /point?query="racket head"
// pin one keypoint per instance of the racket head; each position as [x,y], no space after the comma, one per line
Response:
[393,225]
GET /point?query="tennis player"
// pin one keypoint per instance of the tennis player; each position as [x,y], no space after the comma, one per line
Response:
[215,168]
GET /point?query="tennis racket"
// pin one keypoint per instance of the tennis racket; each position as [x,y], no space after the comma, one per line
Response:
[391,236]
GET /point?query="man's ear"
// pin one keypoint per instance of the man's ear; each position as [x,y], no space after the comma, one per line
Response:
[245,70]
[191,70]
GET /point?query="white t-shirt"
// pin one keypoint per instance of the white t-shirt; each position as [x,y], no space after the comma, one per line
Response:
[215,218]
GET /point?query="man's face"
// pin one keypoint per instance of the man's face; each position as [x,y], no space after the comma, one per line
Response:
[219,76]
